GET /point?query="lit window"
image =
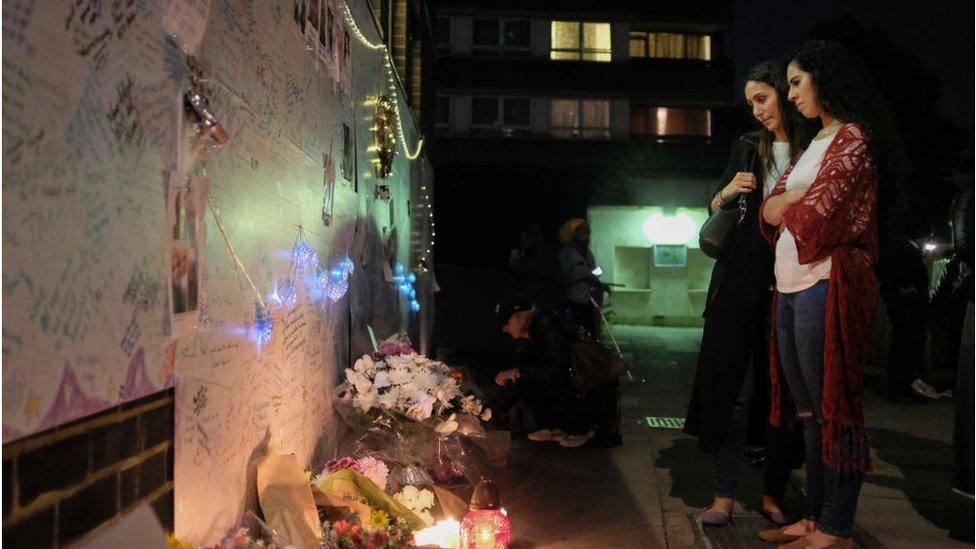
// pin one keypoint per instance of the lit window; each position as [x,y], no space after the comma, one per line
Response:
[508,116]
[670,45]
[575,41]
[508,37]
[589,119]
[670,121]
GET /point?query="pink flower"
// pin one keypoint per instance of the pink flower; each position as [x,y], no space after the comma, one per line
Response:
[389,349]
[342,527]
[335,465]
[377,540]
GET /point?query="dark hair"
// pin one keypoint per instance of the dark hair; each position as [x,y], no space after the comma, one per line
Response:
[847,92]
[799,131]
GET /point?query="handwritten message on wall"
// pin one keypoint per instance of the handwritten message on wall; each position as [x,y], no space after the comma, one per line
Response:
[93,128]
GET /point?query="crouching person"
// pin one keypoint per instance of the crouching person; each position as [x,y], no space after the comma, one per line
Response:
[541,377]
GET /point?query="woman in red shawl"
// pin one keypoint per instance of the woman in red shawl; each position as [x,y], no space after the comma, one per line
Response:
[822,220]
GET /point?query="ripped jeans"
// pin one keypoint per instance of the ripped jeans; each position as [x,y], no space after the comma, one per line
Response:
[831,496]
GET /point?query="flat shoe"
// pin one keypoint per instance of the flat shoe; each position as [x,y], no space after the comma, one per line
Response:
[800,543]
[776,535]
[715,518]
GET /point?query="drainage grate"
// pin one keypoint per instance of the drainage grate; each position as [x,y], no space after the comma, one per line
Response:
[665,422]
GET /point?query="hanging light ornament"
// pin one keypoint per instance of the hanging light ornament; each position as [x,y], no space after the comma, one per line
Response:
[303,254]
[284,294]
[384,140]
[263,326]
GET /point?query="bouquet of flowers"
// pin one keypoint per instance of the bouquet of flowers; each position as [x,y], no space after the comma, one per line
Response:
[396,380]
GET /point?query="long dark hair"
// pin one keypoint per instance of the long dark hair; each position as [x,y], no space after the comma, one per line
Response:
[847,92]
[798,130]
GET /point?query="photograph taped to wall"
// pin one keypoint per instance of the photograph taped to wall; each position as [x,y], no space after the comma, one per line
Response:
[328,187]
[300,13]
[187,232]
[312,23]
[347,154]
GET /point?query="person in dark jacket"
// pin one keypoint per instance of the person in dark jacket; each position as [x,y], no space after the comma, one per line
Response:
[905,289]
[962,436]
[535,268]
[730,400]
[541,377]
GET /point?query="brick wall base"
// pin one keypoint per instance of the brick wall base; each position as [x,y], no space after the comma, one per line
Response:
[64,483]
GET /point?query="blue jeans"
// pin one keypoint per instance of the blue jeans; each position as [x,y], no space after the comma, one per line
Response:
[831,496]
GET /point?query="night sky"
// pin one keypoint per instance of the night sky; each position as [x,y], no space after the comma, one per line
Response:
[938,33]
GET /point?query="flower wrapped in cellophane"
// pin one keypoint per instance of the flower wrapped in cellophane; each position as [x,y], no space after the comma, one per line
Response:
[412,413]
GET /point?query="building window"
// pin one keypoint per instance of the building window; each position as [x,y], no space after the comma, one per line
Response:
[442,34]
[576,41]
[508,37]
[670,45]
[443,111]
[589,119]
[508,116]
[670,121]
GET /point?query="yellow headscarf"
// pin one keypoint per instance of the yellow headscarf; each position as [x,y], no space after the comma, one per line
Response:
[568,229]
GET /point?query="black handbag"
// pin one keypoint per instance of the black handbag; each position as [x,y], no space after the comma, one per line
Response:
[715,234]
[593,363]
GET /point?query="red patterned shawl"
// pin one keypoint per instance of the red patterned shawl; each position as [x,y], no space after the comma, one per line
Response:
[837,218]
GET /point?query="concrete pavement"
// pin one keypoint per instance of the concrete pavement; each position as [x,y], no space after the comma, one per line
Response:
[647,492]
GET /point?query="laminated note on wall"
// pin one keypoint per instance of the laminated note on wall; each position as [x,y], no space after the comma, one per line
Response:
[186,21]
[328,187]
[186,204]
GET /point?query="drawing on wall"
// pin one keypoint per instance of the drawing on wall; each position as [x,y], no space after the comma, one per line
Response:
[186,206]
[328,187]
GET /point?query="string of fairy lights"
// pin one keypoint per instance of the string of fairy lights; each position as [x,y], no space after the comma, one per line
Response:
[423,263]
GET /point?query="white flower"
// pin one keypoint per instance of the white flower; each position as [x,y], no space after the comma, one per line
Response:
[423,406]
[486,415]
[366,400]
[381,380]
[470,405]
[320,478]
[447,426]
[426,517]
[364,364]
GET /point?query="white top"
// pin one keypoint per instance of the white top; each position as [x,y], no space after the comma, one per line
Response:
[576,268]
[791,276]
[781,159]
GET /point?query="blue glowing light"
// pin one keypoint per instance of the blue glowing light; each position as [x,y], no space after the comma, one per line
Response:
[398,270]
[304,255]
[284,294]
[411,278]
[415,306]
[263,327]
[334,283]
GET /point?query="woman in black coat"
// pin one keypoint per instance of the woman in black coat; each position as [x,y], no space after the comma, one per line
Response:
[730,401]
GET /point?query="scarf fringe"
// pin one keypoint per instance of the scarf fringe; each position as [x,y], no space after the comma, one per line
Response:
[845,447]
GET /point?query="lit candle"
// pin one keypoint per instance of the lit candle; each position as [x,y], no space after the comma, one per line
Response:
[445,533]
